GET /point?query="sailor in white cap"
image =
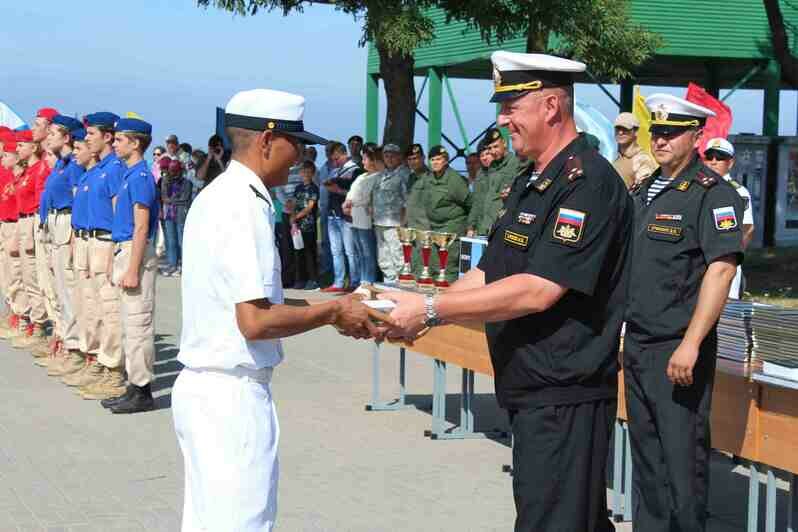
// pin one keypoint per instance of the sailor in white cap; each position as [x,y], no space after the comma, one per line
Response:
[687,246]
[551,288]
[234,317]
[719,155]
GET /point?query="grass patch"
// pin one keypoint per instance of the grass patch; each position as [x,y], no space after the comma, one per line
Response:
[772,276]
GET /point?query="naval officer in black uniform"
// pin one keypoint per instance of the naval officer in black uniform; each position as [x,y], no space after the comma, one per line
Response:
[687,245]
[551,288]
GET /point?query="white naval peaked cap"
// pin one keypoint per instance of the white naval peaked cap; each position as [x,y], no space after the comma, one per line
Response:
[669,110]
[720,144]
[267,109]
[515,74]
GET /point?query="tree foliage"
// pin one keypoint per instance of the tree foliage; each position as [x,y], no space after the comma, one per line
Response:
[780,41]
[598,32]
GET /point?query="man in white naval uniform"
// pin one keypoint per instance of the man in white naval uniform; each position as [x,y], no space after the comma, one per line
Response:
[719,156]
[234,317]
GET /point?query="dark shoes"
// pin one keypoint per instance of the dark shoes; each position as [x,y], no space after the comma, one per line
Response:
[136,399]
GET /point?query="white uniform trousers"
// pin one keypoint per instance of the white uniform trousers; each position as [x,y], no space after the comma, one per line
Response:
[227,427]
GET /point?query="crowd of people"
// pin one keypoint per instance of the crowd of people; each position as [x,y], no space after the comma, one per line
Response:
[78,212]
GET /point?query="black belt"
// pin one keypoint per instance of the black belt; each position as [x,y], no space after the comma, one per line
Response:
[82,233]
[26,215]
[100,233]
[65,210]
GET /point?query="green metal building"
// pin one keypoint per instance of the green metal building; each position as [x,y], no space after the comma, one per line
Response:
[717,44]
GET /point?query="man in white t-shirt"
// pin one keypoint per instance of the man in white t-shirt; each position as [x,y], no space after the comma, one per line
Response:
[234,317]
[719,156]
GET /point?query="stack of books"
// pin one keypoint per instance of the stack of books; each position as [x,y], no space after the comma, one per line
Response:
[734,331]
[775,334]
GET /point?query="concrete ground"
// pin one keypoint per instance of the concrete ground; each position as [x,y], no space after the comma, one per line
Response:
[68,465]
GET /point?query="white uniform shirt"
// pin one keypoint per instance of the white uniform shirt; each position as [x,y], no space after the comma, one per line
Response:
[229,256]
[748,219]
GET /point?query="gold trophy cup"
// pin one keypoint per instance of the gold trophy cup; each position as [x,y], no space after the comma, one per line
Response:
[407,236]
[443,241]
[425,282]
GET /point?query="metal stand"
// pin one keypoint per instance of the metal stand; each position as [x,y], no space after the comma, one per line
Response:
[792,512]
[466,428]
[753,497]
[620,502]
[383,406]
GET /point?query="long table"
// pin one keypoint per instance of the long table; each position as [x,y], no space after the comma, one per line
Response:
[753,417]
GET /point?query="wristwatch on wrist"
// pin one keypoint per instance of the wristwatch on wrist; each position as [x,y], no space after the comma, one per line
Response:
[431,317]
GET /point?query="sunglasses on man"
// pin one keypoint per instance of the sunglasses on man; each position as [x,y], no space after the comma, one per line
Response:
[712,155]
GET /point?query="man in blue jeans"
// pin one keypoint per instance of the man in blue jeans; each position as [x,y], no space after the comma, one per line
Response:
[324,173]
[339,225]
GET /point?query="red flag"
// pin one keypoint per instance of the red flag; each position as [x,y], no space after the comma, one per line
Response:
[718,125]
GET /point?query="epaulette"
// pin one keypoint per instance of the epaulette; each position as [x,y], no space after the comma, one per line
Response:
[706,180]
[734,183]
[573,168]
[259,195]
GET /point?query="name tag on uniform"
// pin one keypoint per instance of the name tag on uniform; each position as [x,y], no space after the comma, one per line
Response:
[664,230]
[669,217]
[516,239]
[526,218]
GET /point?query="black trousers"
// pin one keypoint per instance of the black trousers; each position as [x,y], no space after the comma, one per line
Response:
[306,259]
[670,437]
[559,467]
[286,250]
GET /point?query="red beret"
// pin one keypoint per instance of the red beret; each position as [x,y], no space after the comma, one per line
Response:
[6,135]
[4,128]
[175,166]
[47,112]
[24,136]
[9,146]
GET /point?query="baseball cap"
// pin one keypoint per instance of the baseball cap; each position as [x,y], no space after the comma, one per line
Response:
[627,121]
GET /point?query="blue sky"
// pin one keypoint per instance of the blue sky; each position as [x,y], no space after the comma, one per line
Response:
[173,63]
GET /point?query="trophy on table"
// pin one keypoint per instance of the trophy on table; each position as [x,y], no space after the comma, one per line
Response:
[407,236]
[443,241]
[425,282]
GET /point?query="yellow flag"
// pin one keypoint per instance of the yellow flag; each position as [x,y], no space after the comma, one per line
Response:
[131,114]
[643,115]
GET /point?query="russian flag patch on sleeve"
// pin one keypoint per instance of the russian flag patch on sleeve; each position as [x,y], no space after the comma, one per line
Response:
[570,225]
[725,218]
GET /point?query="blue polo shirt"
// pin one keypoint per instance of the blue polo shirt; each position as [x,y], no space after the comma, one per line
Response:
[80,203]
[138,188]
[58,192]
[104,180]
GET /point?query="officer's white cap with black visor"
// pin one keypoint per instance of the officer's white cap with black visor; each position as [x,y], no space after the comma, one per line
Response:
[270,110]
[516,74]
[671,115]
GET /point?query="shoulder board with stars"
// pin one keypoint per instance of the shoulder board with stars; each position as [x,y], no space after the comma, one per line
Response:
[543,184]
[573,168]
[706,180]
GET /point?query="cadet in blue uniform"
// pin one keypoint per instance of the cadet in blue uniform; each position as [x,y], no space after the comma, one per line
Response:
[103,182]
[687,246]
[134,264]
[551,288]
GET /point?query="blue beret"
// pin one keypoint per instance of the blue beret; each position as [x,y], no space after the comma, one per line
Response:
[71,124]
[78,134]
[103,119]
[134,125]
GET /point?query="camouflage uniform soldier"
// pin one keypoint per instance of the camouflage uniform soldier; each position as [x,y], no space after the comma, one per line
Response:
[388,203]
[447,202]
[415,213]
[501,175]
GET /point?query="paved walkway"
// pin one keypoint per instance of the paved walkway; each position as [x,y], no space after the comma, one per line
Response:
[68,465]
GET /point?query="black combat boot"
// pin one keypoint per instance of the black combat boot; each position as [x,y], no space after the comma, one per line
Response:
[113,401]
[140,400]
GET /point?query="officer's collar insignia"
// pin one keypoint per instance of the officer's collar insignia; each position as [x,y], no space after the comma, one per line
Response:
[725,218]
[543,185]
[526,218]
[573,168]
[684,185]
[569,226]
[259,195]
[705,179]
[668,217]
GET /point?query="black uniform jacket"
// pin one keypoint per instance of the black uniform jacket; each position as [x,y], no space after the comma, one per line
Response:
[692,222]
[571,225]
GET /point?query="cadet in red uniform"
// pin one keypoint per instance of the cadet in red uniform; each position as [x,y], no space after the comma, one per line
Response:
[12,275]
